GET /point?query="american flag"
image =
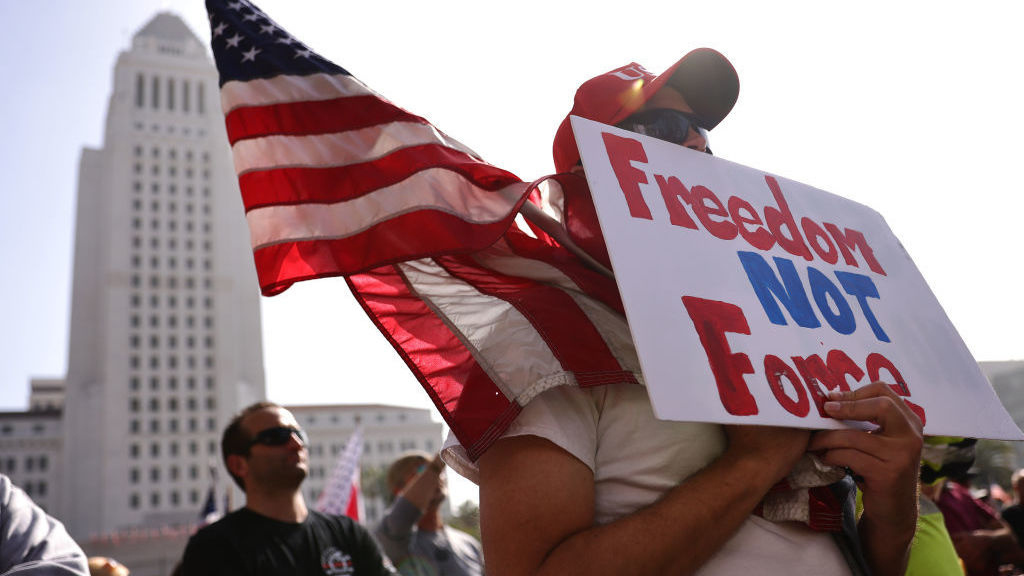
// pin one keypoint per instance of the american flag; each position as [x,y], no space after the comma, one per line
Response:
[336,180]
[341,492]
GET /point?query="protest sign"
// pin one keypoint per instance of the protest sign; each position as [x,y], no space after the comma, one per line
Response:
[750,296]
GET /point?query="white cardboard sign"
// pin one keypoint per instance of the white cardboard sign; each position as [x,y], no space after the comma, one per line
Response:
[749,296]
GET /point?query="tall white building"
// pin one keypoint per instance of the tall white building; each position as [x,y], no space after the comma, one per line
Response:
[165,327]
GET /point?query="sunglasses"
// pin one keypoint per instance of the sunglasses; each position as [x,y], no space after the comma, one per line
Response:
[664,124]
[279,436]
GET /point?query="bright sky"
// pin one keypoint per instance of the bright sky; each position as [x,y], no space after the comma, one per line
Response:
[913,108]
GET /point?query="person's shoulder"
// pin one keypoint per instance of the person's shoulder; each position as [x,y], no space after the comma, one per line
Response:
[225,527]
[339,520]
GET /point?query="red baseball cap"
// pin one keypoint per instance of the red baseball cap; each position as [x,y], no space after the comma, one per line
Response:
[704,77]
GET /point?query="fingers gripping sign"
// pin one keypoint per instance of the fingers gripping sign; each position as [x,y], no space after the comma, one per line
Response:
[886,459]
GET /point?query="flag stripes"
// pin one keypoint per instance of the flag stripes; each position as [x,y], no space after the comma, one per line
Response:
[336,180]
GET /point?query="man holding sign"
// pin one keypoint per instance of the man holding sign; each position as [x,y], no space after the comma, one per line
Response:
[587,480]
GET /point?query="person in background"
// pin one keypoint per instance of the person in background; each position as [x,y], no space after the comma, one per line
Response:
[32,542]
[412,531]
[275,534]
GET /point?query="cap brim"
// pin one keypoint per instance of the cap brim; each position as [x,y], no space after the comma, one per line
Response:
[706,80]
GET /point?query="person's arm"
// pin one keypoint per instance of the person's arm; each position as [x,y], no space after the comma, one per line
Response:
[887,461]
[32,542]
[394,532]
[537,508]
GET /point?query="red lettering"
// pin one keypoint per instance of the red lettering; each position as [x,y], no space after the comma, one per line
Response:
[876,362]
[816,374]
[779,219]
[774,370]
[842,366]
[723,229]
[675,194]
[713,320]
[854,240]
[742,214]
[622,152]
[815,236]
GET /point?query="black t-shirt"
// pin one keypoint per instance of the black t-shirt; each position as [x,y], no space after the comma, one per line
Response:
[245,543]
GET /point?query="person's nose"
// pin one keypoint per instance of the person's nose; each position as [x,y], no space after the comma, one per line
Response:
[695,141]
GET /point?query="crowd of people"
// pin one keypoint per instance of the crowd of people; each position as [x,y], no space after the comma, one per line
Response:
[588,480]
[959,530]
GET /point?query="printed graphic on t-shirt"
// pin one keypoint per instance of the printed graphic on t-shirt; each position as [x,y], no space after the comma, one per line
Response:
[336,563]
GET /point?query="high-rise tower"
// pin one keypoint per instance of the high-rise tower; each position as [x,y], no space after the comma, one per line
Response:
[165,324]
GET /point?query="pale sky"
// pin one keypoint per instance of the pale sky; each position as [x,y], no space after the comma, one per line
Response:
[912,108]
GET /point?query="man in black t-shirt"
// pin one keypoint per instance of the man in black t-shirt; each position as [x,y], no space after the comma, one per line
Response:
[265,452]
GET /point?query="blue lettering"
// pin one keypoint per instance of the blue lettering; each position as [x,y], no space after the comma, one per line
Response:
[862,287]
[822,288]
[790,291]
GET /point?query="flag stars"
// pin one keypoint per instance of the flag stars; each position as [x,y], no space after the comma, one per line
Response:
[305,53]
[251,17]
[268,28]
[220,29]
[250,56]
[287,40]
[234,40]
[237,6]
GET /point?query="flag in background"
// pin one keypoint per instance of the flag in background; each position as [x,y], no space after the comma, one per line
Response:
[210,513]
[336,180]
[341,492]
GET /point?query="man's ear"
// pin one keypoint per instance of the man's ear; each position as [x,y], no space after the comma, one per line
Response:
[237,465]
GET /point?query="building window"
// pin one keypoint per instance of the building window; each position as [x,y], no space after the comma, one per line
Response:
[155,102]
[185,96]
[154,499]
[170,93]
[133,501]
[201,99]
[133,475]
[140,85]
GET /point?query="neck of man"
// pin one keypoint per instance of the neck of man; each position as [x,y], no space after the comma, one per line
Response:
[285,507]
[431,520]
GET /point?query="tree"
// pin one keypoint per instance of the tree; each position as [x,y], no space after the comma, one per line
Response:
[467,518]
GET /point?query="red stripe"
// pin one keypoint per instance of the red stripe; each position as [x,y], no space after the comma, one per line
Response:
[318,117]
[328,185]
[590,281]
[468,400]
[564,327]
[419,234]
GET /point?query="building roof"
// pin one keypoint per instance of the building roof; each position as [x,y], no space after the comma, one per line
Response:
[168,26]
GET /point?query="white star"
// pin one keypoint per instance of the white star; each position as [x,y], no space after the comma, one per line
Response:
[235,5]
[251,17]
[220,29]
[234,40]
[268,28]
[307,53]
[285,40]
[250,56]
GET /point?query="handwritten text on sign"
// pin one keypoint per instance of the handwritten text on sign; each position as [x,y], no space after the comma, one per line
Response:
[772,292]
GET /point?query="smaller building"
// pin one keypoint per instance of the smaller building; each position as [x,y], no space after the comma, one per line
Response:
[388,431]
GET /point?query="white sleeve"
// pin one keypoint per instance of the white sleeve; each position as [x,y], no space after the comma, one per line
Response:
[33,543]
[564,415]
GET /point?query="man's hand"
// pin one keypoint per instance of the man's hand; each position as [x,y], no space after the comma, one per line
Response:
[886,462]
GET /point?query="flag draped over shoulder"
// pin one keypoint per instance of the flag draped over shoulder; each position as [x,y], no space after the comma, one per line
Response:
[336,180]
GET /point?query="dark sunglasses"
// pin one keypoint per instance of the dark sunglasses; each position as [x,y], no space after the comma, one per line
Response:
[279,436]
[664,124]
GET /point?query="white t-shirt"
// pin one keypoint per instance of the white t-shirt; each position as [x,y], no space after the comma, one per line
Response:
[636,458]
